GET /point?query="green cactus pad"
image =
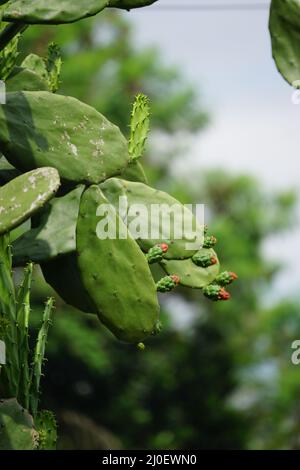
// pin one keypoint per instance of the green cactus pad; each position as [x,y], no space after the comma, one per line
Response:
[42,129]
[63,275]
[24,195]
[53,11]
[285,32]
[134,172]
[138,193]
[53,233]
[191,275]
[16,427]
[115,274]
[22,79]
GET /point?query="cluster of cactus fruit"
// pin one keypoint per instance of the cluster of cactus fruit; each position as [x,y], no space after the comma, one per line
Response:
[62,161]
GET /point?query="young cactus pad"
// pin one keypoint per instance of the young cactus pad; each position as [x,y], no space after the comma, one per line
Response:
[16,427]
[142,198]
[189,273]
[115,274]
[42,129]
[24,195]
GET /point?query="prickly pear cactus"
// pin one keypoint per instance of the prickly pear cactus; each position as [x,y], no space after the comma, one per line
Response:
[16,427]
[24,195]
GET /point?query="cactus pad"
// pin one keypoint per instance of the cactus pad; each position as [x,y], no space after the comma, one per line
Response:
[24,195]
[191,275]
[16,427]
[115,274]
[139,194]
[53,234]
[42,129]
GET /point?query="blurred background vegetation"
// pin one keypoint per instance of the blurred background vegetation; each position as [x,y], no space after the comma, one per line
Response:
[219,375]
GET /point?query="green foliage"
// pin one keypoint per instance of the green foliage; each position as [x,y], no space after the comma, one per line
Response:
[53,66]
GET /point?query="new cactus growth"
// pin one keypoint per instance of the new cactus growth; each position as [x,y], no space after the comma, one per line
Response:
[204,260]
[225,278]
[156,253]
[215,292]
[167,283]
[209,242]
[139,127]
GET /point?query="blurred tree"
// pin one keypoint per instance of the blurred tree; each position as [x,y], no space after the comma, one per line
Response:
[177,393]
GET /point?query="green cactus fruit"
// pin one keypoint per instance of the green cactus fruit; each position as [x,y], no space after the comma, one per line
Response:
[46,426]
[22,79]
[23,196]
[114,272]
[285,30]
[204,259]
[168,283]
[42,129]
[16,427]
[156,253]
[216,292]
[209,242]
[52,12]
[163,219]
[134,172]
[53,232]
[225,278]
[191,275]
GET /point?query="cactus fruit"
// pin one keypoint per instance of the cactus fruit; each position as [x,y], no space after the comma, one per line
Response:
[156,253]
[16,427]
[216,292]
[209,242]
[189,273]
[161,226]
[37,128]
[24,195]
[53,233]
[168,283]
[204,260]
[120,284]
[285,29]
[225,278]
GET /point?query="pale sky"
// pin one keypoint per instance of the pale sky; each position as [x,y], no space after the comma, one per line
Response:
[255,127]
